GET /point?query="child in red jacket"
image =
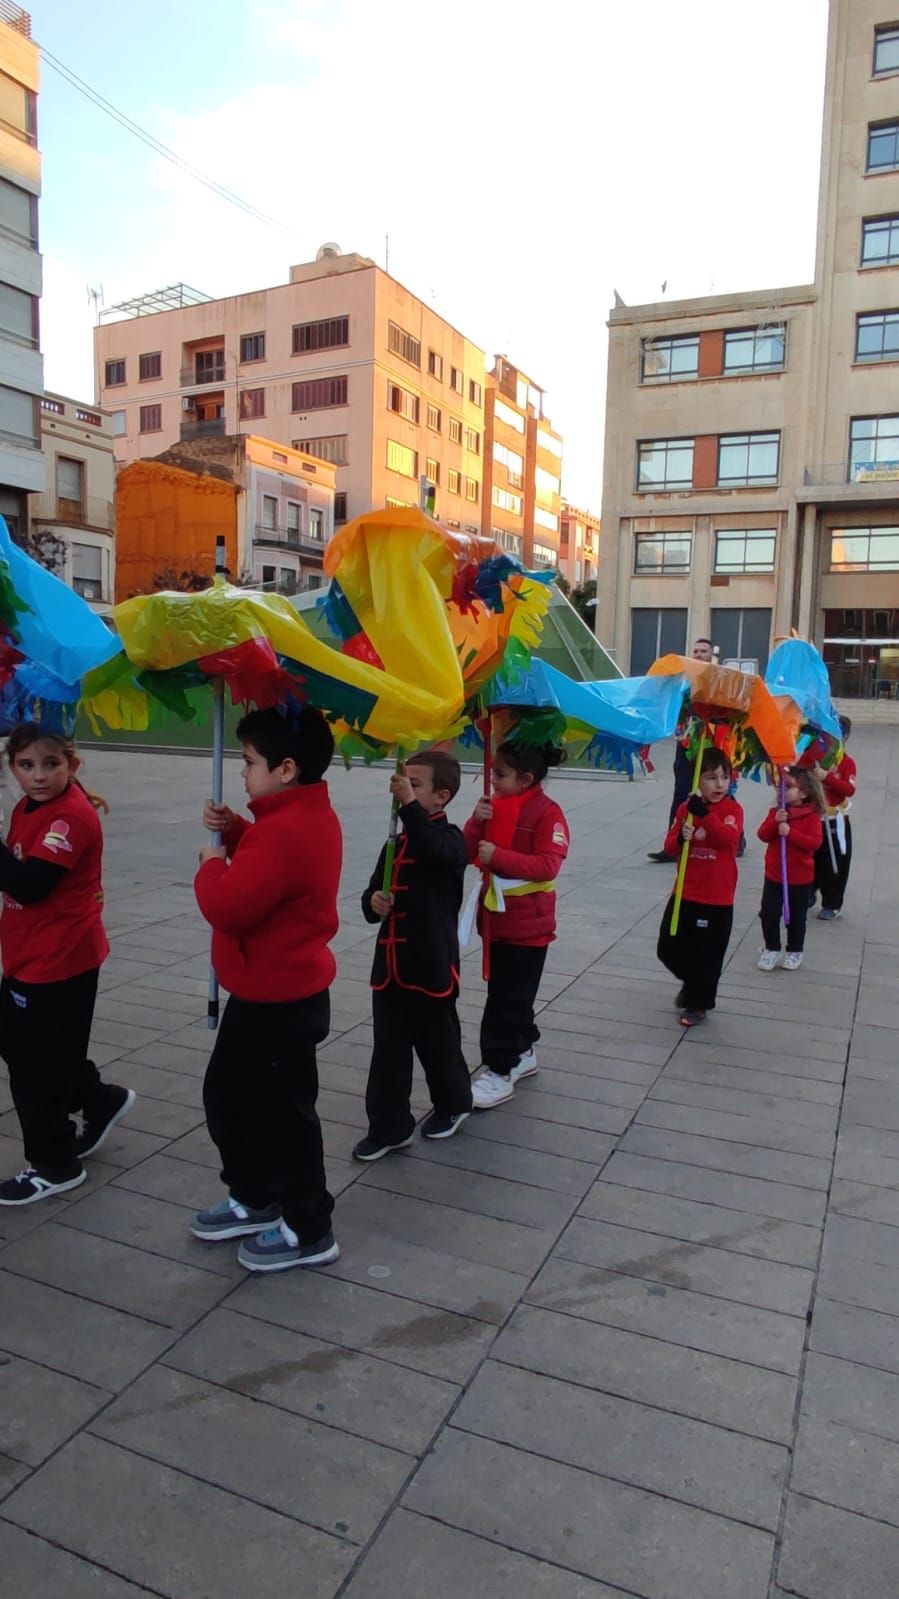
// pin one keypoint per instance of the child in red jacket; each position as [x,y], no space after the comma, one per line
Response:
[712,822]
[270,895]
[833,859]
[799,822]
[521,836]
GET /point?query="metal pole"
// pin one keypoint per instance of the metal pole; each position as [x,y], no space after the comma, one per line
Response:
[218,768]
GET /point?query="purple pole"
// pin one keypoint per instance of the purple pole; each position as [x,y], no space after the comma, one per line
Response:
[783,856]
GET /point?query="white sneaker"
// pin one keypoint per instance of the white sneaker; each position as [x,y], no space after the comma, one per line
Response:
[769,959]
[527,1066]
[793,960]
[490,1089]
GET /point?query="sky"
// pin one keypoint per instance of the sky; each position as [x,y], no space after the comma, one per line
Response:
[525,160]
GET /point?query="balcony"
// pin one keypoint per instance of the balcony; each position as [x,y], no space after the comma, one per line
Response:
[196,377]
[852,482]
[211,428]
[273,538]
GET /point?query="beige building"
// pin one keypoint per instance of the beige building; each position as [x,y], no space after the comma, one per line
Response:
[21,366]
[522,468]
[71,526]
[341,363]
[751,477]
[579,548]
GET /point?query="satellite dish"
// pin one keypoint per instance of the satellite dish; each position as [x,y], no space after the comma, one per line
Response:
[328,250]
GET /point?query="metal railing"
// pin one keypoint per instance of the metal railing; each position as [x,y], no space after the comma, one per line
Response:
[191,378]
[289,539]
[16,18]
[208,428]
[840,474]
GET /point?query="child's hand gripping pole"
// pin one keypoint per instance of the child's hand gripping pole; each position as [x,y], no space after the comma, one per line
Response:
[390,857]
[784,879]
[685,847]
[218,767]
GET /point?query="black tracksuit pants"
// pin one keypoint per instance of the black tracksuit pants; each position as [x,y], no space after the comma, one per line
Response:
[45,1032]
[406,1022]
[772,910]
[259,1094]
[508,1029]
[830,883]
[695,953]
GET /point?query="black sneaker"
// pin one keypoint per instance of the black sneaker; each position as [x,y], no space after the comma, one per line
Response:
[435,1126]
[96,1128]
[30,1186]
[659,856]
[369,1149]
[680,1001]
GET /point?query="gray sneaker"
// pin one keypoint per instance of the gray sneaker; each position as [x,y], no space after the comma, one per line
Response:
[230,1219]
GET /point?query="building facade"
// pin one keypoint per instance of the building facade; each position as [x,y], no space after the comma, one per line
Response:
[522,468]
[751,477]
[274,506]
[21,366]
[71,522]
[579,546]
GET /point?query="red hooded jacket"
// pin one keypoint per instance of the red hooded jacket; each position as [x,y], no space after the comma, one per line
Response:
[712,860]
[273,906]
[536,853]
[805,836]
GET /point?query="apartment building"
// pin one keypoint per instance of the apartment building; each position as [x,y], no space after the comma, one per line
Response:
[341,363]
[579,545]
[21,365]
[523,468]
[71,522]
[751,477]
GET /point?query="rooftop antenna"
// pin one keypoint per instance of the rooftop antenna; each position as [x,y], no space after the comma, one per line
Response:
[95,298]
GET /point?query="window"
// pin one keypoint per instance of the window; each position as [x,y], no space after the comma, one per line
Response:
[270,513]
[665,464]
[544,556]
[548,441]
[507,541]
[327,335]
[340,507]
[474,392]
[434,418]
[403,344]
[209,366]
[151,419]
[115,374]
[69,489]
[435,365]
[18,107]
[150,366]
[505,414]
[119,424]
[87,571]
[19,415]
[742,635]
[252,403]
[506,501]
[318,394]
[18,212]
[293,519]
[454,480]
[546,519]
[547,481]
[401,459]
[268,574]
[880,241]
[755,349]
[886,49]
[317,525]
[457,379]
[877,336]
[432,468]
[56,407]
[745,550]
[252,347]
[402,402]
[671,360]
[18,314]
[864,550]
[655,633]
[473,441]
[333,447]
[873,448]
[513,463]
[748,458]
[883,146]
[455,430]
[472,489]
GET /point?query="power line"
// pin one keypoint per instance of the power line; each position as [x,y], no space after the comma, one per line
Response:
[158,147]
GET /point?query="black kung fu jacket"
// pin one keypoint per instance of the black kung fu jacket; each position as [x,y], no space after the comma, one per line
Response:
[418,946]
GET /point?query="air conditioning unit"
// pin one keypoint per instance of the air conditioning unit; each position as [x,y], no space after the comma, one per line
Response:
[187,404]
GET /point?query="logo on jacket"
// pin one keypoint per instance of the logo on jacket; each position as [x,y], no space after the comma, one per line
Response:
[57,837]
[559,835]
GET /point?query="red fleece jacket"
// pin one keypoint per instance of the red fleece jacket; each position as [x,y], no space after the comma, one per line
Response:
[804,837]
[712,861]
[536,854]
[839,785]
[273,905]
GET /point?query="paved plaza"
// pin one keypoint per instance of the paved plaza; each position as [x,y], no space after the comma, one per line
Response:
[634,1335]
